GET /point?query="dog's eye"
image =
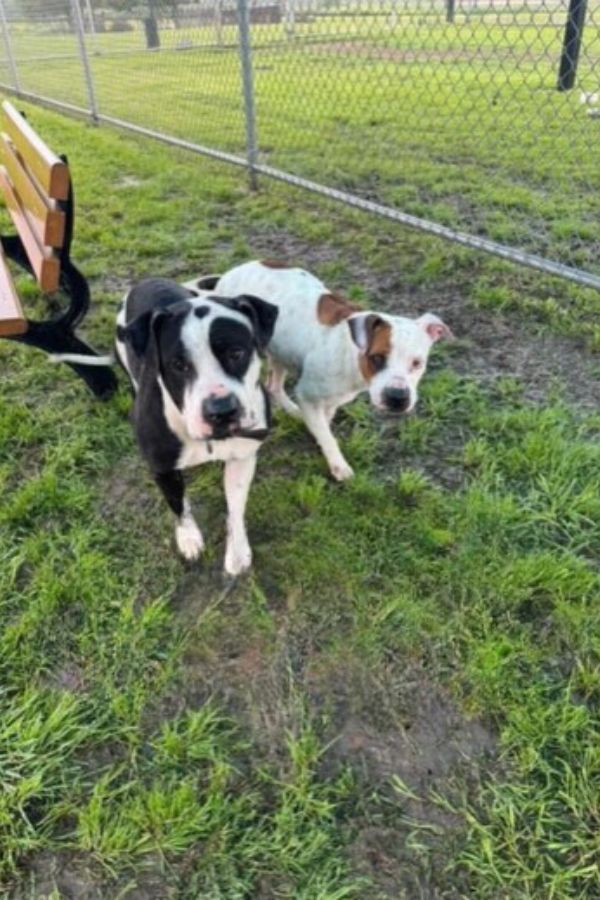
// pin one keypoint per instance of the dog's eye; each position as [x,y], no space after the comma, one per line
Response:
[180,365]
[416,364]
[378,361]
[236,354]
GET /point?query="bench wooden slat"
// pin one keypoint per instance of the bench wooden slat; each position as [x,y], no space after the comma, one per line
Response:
[50,171]
[46,266]
[12,319]
[47,219]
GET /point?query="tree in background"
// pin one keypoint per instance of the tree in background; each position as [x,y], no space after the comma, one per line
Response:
[149,11]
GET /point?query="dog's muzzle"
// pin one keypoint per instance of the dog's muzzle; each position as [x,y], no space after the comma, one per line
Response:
[396,400]
[222,413]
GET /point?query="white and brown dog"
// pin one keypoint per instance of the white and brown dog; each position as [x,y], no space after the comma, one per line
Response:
[193,360]
[338,349]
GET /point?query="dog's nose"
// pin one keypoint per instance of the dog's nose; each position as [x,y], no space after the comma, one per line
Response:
[221,410]
[396,399]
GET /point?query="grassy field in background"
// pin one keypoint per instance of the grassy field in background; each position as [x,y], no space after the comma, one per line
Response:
[458,123]
[402,700]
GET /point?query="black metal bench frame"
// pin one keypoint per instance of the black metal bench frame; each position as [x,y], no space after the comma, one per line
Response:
[57,335]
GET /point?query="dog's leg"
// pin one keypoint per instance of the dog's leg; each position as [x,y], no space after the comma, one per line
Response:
[330,410]
[187,534]
[238,478]
[315,416]
[276,387]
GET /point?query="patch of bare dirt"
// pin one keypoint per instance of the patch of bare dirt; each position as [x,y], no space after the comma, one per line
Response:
[62,873]
[434,740]
[126,489]
[69,678]
[74,876]
[113,284]
[397,724]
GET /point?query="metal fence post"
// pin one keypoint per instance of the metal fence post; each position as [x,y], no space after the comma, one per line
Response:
[571,44]
[218,18]
[248,86]
[89,78]
[290,18]
[91,20]
[8,47]
[450,11]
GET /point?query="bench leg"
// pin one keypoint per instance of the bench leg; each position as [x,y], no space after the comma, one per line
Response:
[53,337]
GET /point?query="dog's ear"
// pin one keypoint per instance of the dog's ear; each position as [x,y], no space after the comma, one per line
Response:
[263,316]
[142,333]
[137,334]
[142,336]
[363,328]
[207,282]
[435,328]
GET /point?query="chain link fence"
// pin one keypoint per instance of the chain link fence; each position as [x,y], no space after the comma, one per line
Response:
[476,120]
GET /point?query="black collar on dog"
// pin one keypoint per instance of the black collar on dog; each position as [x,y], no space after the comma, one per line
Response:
[255,434]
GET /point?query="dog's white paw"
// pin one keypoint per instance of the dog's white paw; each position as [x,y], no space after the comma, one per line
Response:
[238,558]
[341,471]
[189,539]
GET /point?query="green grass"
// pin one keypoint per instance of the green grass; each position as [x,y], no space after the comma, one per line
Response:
[402,700]
[458,123]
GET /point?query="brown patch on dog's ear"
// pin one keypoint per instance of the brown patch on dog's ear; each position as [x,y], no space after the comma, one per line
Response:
[275,264]
[373,336]
[333,309]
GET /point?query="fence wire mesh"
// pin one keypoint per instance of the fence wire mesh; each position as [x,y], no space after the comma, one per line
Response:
[481,116]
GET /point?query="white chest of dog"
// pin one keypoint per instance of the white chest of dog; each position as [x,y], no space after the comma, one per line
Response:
[337,349]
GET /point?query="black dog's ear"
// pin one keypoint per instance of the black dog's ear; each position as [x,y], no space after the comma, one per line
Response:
[137,333]
[207,282]
[263,316]
[141,334]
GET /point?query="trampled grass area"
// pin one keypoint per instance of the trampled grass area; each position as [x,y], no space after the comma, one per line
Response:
[402,700]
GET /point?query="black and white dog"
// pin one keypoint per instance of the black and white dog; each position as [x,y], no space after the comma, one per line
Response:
[194,362]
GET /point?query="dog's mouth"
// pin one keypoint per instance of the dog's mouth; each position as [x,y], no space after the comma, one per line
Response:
[222,431]
[227,431]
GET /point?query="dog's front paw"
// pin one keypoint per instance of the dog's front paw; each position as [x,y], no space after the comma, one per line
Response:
[238,558]
[190,542]
[341,471]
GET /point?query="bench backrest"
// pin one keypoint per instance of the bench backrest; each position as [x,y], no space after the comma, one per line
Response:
[34,181]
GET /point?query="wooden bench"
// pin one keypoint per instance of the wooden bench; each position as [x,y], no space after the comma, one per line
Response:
[37,189]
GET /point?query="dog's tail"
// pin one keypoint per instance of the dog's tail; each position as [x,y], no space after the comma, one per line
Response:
[81,359]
